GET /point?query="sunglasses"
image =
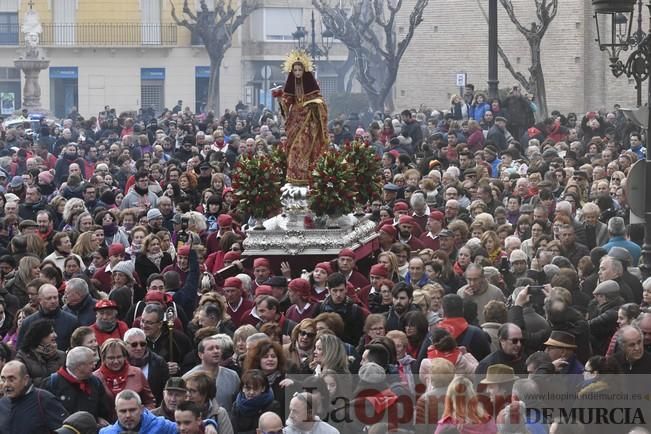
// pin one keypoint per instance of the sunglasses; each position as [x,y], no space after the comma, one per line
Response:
[515,341]
[138,344]
[308,334]
[280,431]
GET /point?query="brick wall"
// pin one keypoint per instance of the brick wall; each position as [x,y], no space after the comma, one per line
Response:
[453,37]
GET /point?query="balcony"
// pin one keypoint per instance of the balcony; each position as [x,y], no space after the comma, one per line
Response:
[97,35]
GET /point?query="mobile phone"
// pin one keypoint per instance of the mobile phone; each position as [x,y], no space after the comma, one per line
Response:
[535,290]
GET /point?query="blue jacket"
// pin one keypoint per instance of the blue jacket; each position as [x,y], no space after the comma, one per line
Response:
[632,248]
[149,424]
[477,111]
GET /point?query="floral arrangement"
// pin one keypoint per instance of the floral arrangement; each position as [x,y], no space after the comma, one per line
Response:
[332,186]
[278,157]
[366,167]
[256,182]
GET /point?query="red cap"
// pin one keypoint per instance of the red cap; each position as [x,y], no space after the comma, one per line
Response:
[437,215]
[263,290]
[106,304]
[224,220]
[406,220]
[324,266]
[158,297]
[116,249]
[379,270]
[347,252]
[400,206]
[232,256]
[389,229]
[261,262]
[184,251]
[301,287]
[395,153]
[233,282]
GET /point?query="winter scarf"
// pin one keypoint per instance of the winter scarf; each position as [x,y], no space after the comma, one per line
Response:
[115,380]
[253,405]
[83,385]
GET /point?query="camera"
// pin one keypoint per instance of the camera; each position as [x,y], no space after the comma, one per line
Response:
[185,222]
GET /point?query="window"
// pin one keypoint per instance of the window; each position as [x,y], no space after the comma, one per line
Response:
[328,86]
[280,23]
[9,28]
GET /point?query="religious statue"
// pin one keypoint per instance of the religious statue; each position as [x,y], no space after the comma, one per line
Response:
[306,117]
[32,29]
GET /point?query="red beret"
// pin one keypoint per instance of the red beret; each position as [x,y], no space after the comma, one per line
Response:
[395,153]
[379,270]
[106,304]
[224,220]
[437,215]
[232,256]
[389,229]
[184,251]
[301,287]
[324,266]
[400,206]
[347,252]
[233,282]
[406,220]
[116,249]
[263,290]
[158,296]
[261,262]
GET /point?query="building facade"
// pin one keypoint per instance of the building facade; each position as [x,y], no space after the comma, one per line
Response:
[129,54]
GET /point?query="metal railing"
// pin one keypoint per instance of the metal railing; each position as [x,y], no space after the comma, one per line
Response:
[96,35]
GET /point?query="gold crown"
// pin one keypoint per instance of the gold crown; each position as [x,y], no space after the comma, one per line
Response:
[298,56]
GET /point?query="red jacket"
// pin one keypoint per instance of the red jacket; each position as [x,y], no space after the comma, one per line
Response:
[118,332]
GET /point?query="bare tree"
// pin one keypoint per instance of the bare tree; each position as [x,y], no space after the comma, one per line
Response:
[535,83]
[368,29]
[215,28]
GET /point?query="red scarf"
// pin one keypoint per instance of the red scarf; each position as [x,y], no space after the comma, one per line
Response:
[115,380]
[83,385]
[450,356]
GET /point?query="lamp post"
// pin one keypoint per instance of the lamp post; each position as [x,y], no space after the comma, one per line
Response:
[493,80]
[614,20]
[315,50]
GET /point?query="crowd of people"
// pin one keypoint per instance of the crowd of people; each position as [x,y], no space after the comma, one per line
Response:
[505,255]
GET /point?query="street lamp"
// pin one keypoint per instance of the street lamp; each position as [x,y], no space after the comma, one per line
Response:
[316,51]
[614,19]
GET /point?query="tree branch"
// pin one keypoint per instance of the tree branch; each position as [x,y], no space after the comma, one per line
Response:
[178,21]
[508,6]
[516,74]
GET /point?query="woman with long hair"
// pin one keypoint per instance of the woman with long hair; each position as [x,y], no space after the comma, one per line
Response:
[390,262]
[416,329]
[85,246]
[73,208]
[151,259]
[626,314]
[490,241]
[330,353]
[464,410]
[117,374]
[300,349]
[268,357]
[35,245]
[28,269]
[374,327]
[39,352]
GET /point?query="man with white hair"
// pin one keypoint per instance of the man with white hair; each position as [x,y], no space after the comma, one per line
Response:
[564,207]
[79,302]
[596,232]
[303,417]
[512,243]
[77,387]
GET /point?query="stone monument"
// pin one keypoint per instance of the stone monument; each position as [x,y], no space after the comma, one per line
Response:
[31,62]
